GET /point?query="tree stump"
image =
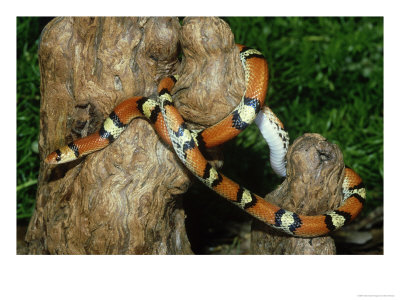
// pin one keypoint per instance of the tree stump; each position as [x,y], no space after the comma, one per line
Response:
[121,200]
[315,173]
[126,198]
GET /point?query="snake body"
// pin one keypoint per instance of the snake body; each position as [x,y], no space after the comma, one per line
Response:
[189,147]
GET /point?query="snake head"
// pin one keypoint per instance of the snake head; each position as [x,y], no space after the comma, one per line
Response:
[60,156]
[52,158]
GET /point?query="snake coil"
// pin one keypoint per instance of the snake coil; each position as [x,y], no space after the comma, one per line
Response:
[189,146]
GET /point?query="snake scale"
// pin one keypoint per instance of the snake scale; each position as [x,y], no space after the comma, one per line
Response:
[189,147]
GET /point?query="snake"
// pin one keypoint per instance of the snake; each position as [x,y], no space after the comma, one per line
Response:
[189,146]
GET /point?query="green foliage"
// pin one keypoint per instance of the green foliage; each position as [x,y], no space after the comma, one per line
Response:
[28,99]
[326,76]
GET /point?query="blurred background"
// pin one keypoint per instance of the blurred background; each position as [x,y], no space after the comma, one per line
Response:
[326,77]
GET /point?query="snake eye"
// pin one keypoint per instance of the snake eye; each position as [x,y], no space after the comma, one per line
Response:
[53,158]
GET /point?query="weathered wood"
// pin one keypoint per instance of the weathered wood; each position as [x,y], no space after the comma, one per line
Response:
[212,77]
[313,186]
[125,199]
[119,200]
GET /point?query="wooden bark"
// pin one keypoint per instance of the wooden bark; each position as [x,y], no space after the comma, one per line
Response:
[313,186]
[125,199]
[121,200]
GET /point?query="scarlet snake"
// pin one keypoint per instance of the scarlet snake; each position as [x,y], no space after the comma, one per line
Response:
[189,146]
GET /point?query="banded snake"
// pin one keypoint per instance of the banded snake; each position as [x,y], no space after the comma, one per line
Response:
[189,146]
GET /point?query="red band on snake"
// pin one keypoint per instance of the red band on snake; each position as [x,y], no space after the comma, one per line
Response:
[189,146]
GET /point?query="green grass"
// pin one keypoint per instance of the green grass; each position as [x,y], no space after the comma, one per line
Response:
[28,100]
[326,77]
